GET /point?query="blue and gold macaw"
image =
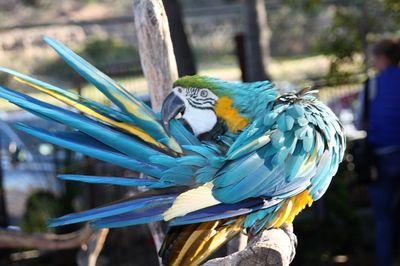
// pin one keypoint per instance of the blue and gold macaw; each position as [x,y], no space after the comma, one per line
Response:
[242,155]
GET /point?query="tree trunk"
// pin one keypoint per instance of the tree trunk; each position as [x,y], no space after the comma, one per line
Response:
[241,55]
[183,52]
[256,40]
[45,241]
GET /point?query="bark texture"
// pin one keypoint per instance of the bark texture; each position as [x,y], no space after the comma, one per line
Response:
[275,247]
[155,48]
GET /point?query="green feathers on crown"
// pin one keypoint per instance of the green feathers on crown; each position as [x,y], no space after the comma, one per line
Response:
[199,82]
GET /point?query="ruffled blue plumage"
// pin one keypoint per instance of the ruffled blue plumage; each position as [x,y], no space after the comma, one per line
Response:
[291,144]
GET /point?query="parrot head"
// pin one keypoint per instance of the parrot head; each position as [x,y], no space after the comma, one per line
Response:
[206,102]
[195,101]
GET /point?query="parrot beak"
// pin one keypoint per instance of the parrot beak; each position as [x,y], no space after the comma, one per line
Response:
[171,107]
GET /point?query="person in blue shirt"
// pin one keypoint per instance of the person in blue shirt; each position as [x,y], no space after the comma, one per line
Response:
[383,136]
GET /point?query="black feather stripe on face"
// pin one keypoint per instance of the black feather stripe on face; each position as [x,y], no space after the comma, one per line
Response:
[199,102]
[199,106]
[202,102]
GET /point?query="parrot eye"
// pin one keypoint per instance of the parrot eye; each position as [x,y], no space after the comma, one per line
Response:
[179,90]
[203,93]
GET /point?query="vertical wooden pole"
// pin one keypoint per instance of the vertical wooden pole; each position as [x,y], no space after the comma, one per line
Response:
[155,48]
[158,63]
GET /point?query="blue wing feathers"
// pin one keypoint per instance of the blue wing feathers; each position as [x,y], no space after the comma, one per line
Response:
[113,209]
[119,181]
[81,143]
[94,76]
[102,133]
[147,215]
[141,114]
[182,135]
[104,110]
[296,143]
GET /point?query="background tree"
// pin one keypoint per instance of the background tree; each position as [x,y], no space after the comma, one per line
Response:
[183,52]
[355,25]
[256,40]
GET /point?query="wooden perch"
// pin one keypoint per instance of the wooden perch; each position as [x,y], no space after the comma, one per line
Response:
[88,254]
[45,241]
[273,247]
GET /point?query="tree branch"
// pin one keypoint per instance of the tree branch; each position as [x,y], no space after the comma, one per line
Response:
[15,239]
[271,248]
[90,251]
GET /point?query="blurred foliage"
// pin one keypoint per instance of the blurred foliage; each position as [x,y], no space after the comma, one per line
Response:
[295,36]
[40,206]
[355,25]
[35,3]
[99,52]
[392,8]
[342,39]
[31,2]
[43,205]
[102,51]
[306,5]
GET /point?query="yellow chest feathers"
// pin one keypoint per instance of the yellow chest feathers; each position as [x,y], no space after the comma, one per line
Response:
[226,112]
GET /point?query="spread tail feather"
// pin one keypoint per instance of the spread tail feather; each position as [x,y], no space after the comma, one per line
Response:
[143,208]
[84,144]
[193,244]
[118,181]
[140,113]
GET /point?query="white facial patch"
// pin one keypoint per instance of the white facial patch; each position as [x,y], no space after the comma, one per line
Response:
[199,112]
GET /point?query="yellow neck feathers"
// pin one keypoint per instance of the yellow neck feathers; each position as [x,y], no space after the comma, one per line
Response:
[230,115]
